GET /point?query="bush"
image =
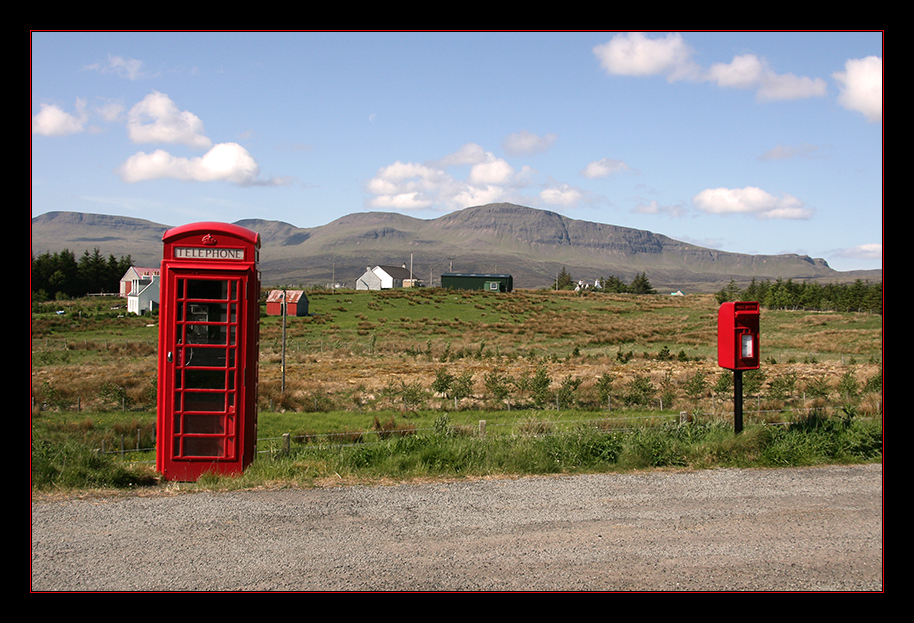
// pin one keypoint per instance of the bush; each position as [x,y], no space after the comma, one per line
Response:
[639,391]
[820,439]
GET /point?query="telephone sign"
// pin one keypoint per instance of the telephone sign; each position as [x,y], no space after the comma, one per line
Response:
[209,317]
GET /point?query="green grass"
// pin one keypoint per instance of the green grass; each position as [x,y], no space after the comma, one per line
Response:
[519,323]
[435,445]
[447,451]
[350,366]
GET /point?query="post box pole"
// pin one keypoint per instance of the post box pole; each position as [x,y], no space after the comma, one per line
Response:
[738,401]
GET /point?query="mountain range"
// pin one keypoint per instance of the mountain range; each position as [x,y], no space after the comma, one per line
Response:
[530,244]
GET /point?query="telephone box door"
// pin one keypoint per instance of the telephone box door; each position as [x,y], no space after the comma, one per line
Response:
[204,359]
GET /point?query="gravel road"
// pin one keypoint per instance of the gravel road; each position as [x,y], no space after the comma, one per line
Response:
[810,529]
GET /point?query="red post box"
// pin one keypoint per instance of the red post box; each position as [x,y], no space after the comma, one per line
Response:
[209,316]
[738,335]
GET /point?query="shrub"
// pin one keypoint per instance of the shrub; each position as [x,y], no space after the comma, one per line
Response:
[697,385]
[639,391]
[539,386]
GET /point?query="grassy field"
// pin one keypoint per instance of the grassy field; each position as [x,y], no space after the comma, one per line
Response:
[366,364]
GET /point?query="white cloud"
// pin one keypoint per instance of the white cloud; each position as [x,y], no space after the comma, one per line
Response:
[861,87]
[487,179]
[414,186]
[750,200]
[562,195]
[110,111]
[126,67]
[471,153]
[479,195]
[225,162]
[401,201]
[634,54]
[407,186]
[492,171]
[604,168]
[871,251]
[156,119]
[748,71]
[776,87]
[52,120]
[786,152]
[525,143]
[652,207]
[743,72]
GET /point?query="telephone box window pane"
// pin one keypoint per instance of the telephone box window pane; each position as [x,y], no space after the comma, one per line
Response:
[204,358]
[208,402]
[204,424]
[206,324]
[204,446]
[205,379]
[207,289]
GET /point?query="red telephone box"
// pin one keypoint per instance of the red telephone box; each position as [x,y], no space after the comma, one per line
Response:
[209,317]
[738,335]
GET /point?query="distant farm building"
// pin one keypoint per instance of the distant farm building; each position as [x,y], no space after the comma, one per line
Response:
[296,303]
[140,286]
[386,278]
[477,281]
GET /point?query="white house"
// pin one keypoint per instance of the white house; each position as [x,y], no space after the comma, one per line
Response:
[141,287]
[134,276]
[383,278]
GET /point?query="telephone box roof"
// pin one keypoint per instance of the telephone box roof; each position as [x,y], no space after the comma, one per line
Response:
[231,229]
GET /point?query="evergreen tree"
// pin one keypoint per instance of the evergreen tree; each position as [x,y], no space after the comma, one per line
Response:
[60,275]
[564,281]
[614,285]
[641,285]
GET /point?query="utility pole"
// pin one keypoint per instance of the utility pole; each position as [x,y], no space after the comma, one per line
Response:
[283,365]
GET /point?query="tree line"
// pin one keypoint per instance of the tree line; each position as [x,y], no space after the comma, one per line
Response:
[639,285]
[61,275]
[859,296]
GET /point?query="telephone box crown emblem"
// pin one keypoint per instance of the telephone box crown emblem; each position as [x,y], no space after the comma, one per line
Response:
[209,239]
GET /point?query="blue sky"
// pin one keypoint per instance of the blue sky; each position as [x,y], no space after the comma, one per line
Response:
[751,142]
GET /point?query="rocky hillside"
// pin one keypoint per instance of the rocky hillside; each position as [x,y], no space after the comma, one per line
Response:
[533,245]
